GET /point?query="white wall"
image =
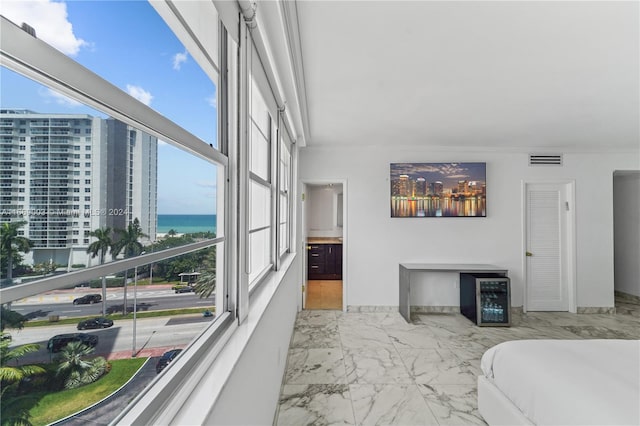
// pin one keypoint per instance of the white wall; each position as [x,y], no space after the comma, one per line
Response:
[250,396]
[378,243]
[626,195]
[322,210]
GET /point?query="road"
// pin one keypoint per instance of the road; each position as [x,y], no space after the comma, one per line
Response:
[61,303]
[117,341]
[161,333]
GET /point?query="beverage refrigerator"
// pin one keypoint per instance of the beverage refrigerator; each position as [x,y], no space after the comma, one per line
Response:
[486,299]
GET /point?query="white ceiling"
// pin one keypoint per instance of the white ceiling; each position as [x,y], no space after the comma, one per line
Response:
[505,74]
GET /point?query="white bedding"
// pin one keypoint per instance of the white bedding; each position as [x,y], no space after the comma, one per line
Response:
[569,382]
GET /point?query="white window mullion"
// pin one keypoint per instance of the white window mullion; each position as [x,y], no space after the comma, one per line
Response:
[227,198]
[284,193]
[242,174]
[275,193]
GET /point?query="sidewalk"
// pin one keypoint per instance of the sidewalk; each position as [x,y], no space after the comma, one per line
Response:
[142,353]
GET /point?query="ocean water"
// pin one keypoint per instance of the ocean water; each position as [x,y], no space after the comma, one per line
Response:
[186,223]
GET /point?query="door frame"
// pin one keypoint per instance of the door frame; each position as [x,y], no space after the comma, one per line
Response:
[569,237]
[305,231]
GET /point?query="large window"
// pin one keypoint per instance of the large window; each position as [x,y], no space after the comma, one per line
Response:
[155,179]
[142,123]
[269,175]
[137,173]
[260,187]
[284,193]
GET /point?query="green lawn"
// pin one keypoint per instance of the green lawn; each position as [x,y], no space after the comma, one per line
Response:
[53,406]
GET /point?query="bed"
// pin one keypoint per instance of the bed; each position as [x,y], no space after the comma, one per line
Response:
[561,382]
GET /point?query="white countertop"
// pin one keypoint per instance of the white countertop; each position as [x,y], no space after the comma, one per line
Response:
[451,267]
[324,240]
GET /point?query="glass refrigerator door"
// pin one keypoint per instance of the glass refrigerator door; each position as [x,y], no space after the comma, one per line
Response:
[494,302]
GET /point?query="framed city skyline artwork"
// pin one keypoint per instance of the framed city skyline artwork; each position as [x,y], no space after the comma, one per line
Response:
[438,189]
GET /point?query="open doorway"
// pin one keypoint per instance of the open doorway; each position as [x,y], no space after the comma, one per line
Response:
[324,233]
[626,239]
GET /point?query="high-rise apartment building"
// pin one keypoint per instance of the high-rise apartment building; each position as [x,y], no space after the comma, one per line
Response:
[132,192]
[69,174]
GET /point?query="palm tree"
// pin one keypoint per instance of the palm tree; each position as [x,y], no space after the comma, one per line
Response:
[12,374]
[96,369]
[11,244]
[14,407]
[172,233]
[206,282]
[78,369]
[11,319]
[99,248]
[130,246]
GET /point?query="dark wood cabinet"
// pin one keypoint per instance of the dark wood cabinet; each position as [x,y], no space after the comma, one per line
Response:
[324,261]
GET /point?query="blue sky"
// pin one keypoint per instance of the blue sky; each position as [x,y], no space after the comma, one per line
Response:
[128,44]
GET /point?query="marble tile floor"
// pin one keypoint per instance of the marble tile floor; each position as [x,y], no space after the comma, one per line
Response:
[377,369]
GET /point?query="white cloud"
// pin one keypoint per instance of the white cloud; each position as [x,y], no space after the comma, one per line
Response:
[206,184]
[52,96]
[209,188]
[212,100]
[179,59]
[50,21]
[140,94]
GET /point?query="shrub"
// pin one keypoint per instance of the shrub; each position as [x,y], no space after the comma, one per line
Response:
[111,282]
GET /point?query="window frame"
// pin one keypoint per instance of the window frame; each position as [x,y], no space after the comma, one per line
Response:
[284,176]
[267,184]
[258,80]
[170,391]
[40,62]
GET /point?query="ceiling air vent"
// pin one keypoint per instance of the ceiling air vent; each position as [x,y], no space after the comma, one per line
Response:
[545,159]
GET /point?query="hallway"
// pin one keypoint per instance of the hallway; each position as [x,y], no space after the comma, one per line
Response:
[324,294]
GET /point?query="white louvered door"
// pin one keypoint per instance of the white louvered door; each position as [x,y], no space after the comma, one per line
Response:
[547,209]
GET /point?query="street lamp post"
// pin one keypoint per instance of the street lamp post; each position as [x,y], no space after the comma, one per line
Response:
[151,266]
[135,306]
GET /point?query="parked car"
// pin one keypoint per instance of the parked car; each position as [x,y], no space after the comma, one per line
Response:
[6,336]
[98,322]
[185,289]
[88,299]
[166,358]
[57,343]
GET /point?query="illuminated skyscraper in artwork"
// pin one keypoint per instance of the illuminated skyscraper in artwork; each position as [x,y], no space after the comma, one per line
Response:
[437,187]
[420,187]
[401,186]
